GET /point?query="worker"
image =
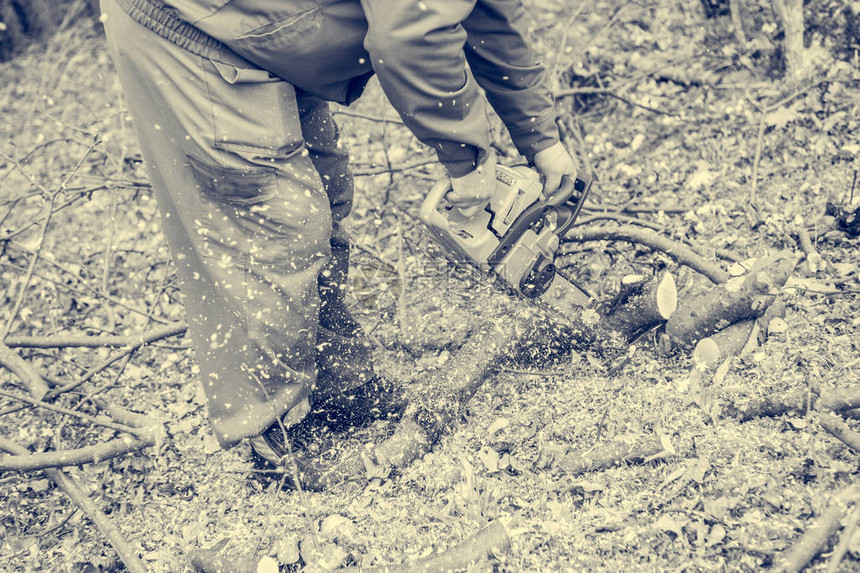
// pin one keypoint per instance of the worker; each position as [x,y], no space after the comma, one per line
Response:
[230,104]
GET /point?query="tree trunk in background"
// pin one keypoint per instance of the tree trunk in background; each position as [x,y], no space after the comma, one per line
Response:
[790,12]
[22,21]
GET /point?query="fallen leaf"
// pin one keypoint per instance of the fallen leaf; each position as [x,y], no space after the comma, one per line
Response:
[490,457]
[287,550]
[339,527]
[697,471]
[267,565]
[716,535]
[210,444]
[669,524]
[499,424]
[667,444]
[587,486]
[777,326]
[780,117]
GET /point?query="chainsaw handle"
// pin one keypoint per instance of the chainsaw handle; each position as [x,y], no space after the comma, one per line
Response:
[572,210]
[429,208]
[560,197]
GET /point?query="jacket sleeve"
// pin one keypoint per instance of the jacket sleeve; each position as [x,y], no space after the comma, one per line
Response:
[505,65]
[418,49]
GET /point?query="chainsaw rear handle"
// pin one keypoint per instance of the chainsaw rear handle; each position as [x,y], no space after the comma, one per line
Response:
[565,190]
[571,210]
[429,208]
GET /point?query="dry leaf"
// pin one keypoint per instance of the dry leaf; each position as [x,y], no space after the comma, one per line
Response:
[267,565]
[668,523]
[499,424]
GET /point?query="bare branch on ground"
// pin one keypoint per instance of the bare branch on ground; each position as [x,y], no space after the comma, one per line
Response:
[76,457]
[126,552]
[678,251]
[89,341]
[810,544]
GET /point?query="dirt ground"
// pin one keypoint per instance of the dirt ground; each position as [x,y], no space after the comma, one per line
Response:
[687,129]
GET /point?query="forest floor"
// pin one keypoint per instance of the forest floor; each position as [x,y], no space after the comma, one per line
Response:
[699,138]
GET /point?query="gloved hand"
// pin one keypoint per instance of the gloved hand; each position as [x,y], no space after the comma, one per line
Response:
[553,163]
[470,193]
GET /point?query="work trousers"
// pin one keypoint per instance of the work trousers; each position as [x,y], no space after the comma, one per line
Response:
[252,184]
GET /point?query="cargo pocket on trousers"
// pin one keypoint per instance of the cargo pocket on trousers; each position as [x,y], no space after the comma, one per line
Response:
[245,212]
[254,113]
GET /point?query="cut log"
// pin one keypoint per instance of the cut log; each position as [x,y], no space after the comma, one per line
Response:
[609,328]
[438,404]
[641,305]
[737,338]
[737,299]
[723,344]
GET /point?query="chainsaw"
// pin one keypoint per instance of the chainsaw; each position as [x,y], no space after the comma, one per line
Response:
[516,236]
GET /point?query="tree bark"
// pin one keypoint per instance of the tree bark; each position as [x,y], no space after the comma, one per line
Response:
[790,12]
[737,299]
[836,400]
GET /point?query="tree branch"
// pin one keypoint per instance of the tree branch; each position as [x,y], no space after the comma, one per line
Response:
[79,456]
[127,554]
[74,413]
[89,341]
[20,368]
[796,558]
[681,253]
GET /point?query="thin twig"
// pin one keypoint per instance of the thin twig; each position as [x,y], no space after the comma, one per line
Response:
[765,111]
[554,73]
[89,341]
[757,158]
[41,218]
[49,209]
[170,330]
[127,554]
[619,219]
[108,255]
[90,290]
[85,417]
[398,169]
[367,117]
[640,105]
[853,185]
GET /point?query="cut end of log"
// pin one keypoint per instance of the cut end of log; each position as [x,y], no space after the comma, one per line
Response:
[707,352]
[667,296]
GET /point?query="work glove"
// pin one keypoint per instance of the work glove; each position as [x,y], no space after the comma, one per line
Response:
[470,193]
[554,163]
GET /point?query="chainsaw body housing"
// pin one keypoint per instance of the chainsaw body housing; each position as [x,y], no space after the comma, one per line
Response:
[516,236]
